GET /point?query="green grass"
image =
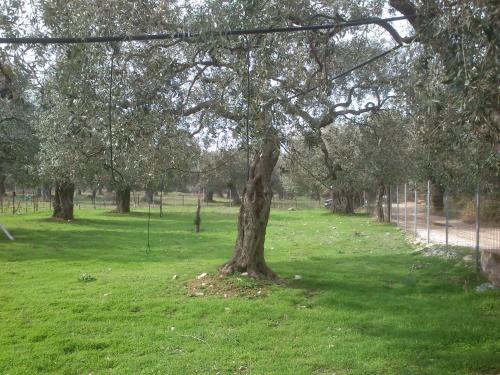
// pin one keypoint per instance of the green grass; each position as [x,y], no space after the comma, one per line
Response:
[361,308]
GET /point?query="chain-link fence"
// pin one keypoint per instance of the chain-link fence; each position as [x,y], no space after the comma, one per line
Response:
[28,202]
[437,215]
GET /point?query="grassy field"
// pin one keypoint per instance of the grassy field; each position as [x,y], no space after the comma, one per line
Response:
[364,305]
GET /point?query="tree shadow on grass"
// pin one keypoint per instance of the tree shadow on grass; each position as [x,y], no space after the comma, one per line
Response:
[386,284]
[367,273]
[108,238]
[425,311]
[108,219]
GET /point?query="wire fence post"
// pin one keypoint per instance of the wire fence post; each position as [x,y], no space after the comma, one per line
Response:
[415,214]
[397,205]
[406,209]
[428,210]
[478,226]
[389,205]
[447,216]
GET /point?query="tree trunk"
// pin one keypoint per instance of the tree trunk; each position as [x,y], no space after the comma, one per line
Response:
[315,195]
[46,192]
[248,254]
[437,196]
[389,206]
[380,201]
[94,196]
[235,196]
[148,195]
[197,218]
[63,200]
[2,185]
[208,196]
[161,202]
[123,200]
[343,202]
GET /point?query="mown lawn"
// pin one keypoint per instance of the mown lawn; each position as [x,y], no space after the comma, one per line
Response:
[364,305]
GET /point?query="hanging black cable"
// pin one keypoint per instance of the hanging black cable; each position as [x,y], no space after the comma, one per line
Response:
[189,34]
[110,131]
[148,246]
[348,71]
[366,62]
[248,108]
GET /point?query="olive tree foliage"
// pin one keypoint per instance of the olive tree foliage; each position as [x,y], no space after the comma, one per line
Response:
[446,148]
[301,169]
[463,37]
[286,81]
[388,154]
[451,94]
[18,145]
[111,109]
[204,85]
[369,156]
[223,171]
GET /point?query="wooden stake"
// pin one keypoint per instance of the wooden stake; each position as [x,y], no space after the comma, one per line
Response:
[9,236]
[197,218]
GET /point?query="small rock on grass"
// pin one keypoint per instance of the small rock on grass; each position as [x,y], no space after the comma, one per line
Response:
[484,287]
[467,258]
[201,276]
[297,277]
[418,266]
[85,277]
[174,277]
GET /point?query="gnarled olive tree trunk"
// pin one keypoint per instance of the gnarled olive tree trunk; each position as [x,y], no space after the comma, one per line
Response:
[63,200]
[380,201]
[123,199]
[248,254]
[343,201]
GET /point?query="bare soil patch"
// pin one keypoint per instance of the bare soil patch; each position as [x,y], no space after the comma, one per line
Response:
[228,287]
